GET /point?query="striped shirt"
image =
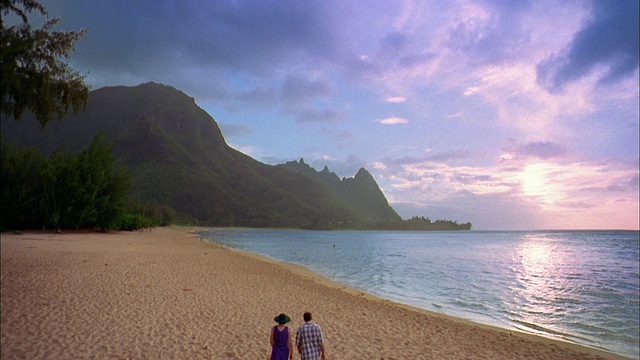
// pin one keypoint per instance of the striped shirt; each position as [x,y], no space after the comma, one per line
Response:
[309,337]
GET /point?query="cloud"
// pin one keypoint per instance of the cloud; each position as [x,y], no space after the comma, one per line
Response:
[577,205]
[449,155]
[312,114]
[395,56]
[520,155]
[255,96]
[550,190]
[490,32]
[399,51]
[233,35]
[396,99]
[522,105]
[342,137]
[393,121]
[627,183]
[542,150]
[299,97]
[485,211]
[426,161]
[297,88]
[608,42]
[233,130]
[487,50]
[266,54]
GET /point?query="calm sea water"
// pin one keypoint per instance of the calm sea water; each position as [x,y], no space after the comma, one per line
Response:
[576,286]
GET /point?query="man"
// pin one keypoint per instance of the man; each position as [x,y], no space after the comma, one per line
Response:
[309,339]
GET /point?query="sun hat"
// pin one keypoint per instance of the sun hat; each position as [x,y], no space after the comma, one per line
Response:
[282,319]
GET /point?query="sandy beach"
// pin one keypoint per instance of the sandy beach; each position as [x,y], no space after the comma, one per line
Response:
[164,294]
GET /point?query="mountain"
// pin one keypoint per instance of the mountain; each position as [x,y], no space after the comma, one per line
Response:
[361,192]
[178,157]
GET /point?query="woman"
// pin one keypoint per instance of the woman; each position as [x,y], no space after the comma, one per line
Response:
[281,343]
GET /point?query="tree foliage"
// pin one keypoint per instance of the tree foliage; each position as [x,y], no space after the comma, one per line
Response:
[33,76]
[86,190]
[420,223]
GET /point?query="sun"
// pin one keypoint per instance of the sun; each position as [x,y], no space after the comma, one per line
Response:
[537,182]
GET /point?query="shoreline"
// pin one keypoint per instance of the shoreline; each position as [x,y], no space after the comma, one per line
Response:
[165,293]
[303,271]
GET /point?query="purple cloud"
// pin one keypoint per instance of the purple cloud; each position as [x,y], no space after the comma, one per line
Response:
[494,41]
[542,149]
[620,185]
[310,114]
[295,89]
[443,157]
[489,211]
[610,39]
[472,178]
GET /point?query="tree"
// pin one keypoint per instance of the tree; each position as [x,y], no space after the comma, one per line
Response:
[33,76]
[106,185]
[87,190]
[20,171]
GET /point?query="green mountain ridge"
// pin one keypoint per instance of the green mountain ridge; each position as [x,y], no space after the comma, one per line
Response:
[177,156]
[361,192]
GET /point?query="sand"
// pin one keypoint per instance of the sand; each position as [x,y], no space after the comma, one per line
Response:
[165,294]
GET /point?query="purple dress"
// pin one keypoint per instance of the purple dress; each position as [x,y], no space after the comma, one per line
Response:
[280,349]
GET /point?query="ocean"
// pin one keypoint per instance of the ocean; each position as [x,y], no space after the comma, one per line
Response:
[575,286]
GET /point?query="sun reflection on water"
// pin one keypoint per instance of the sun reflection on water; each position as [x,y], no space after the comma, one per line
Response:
[541,286]
[535,256]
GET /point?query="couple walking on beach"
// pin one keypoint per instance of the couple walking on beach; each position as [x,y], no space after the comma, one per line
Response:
[309,340]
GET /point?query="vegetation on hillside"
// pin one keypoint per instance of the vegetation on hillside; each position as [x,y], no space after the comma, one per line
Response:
[360,193]
[177,156]
[70,191]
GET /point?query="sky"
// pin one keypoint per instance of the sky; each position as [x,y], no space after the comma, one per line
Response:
[512,115]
